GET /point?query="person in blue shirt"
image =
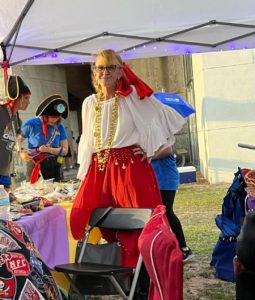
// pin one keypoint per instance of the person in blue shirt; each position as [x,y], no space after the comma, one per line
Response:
[47,139]
[164,165]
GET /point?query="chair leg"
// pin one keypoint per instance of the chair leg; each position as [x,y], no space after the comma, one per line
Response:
[135,279]
[79,295]
[118,287]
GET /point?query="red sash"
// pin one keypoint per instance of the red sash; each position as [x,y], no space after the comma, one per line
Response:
[37,168]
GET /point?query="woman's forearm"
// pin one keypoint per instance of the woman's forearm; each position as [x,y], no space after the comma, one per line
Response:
[161,153]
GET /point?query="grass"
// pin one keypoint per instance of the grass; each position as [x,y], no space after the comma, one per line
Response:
[197,206]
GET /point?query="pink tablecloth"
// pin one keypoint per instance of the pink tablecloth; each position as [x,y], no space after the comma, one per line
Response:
[47,228]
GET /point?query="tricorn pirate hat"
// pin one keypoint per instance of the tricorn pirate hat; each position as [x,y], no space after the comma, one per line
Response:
[15,87]
[53,105]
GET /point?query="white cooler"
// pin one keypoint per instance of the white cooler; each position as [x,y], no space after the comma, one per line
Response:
[187,174]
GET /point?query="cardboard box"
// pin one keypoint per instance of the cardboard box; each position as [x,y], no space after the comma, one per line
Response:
[187,174]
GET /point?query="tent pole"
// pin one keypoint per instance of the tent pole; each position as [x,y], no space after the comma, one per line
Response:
[5,63]
[4,66]
[234,39]
[3,47]
[17,24]
[14,31]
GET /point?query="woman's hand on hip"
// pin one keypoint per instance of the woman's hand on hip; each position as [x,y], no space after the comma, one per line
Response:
[139,151]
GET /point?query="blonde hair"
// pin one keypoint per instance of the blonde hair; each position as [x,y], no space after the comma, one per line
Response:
[109,56]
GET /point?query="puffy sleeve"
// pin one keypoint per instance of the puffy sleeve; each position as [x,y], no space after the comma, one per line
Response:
[156,123]
[85,148]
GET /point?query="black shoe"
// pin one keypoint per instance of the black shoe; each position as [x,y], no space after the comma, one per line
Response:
[187,254]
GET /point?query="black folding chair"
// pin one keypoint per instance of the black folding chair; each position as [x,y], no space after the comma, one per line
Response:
[104,275]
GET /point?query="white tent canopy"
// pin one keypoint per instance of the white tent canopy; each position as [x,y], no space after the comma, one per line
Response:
[57,31]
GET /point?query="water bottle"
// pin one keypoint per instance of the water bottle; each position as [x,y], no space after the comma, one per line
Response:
[4,204]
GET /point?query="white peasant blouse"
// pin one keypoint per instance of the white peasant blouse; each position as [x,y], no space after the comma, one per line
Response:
[147,123]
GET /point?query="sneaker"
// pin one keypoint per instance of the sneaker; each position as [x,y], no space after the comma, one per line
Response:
[187,254]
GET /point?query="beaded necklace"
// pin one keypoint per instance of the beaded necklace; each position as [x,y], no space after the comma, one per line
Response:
[103,156]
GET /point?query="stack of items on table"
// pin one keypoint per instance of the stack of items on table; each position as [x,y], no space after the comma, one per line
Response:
[28,198]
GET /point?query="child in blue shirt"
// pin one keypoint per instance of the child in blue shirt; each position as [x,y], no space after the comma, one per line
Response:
[47,139]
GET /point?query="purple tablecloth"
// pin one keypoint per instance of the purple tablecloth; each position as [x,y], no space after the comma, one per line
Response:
[47,228]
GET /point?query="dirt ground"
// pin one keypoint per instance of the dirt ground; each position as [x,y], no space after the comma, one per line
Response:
[201,284]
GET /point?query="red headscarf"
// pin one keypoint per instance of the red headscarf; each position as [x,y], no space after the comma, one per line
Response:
[11,103]
[44,125]
[130,78]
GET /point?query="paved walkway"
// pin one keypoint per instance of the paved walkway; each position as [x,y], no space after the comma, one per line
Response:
[71,174]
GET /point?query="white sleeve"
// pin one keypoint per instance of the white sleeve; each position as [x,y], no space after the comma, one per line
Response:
[85,148]
[156,123]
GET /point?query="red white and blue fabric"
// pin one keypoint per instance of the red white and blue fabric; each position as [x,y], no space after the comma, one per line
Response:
[23,274]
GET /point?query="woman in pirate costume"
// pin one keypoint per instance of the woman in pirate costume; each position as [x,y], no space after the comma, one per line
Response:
[123,124]
[47,139]
[18,95]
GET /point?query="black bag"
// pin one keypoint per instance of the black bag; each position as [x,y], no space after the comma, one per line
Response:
[50,168]
[108,254]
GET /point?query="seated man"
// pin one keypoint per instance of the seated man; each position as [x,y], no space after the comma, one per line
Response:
[23,275]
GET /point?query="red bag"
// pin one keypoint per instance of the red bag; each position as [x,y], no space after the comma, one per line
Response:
[162,258]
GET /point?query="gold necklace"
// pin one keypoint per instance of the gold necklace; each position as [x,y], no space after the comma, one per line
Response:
[103,156]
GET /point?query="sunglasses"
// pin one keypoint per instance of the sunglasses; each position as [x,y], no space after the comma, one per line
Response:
[109,69]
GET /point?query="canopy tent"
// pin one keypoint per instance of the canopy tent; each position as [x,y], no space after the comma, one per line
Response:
[57,31]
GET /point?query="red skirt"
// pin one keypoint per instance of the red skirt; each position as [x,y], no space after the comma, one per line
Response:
[126,182]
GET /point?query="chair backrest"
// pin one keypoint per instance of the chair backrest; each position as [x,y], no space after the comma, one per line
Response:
[97,215]
[121,218]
